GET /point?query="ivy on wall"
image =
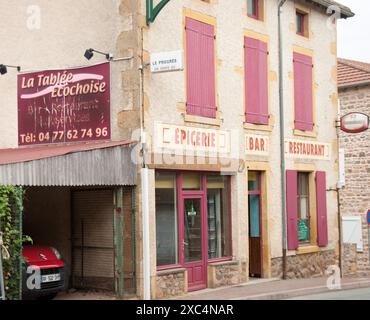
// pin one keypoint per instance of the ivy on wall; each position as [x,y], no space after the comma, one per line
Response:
[11,209]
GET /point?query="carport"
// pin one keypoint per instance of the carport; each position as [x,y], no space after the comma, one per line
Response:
[80,199]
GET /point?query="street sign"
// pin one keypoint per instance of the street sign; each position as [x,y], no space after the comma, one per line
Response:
[354,122]
[368,218]
[166,61]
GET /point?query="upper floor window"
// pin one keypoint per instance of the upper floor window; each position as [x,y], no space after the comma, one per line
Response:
[200,69]
[255,9]
[302,23]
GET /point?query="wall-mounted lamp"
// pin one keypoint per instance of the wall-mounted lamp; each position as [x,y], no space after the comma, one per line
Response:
[89,53]
[4,68]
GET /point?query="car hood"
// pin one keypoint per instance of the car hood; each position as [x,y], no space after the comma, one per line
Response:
[41,256]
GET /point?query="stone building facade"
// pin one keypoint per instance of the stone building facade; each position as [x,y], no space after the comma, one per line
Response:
[354,94]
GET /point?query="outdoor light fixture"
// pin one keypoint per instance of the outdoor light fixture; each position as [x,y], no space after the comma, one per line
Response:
[4,68]
[89,53]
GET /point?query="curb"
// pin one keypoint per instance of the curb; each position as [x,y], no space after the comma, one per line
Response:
[304,291]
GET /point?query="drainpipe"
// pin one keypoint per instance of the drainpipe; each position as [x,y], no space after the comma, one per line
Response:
[144,186]
[282,138]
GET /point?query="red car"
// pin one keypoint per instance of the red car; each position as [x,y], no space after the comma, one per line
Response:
[44,272]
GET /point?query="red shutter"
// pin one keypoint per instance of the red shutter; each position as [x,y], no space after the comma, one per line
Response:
[292,208]
[303,92]
[322,218]
[200,62]
[256,81]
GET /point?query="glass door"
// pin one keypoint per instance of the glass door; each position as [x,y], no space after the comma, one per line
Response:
[193,243]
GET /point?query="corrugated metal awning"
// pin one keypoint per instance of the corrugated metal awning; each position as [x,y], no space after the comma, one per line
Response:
[80,164]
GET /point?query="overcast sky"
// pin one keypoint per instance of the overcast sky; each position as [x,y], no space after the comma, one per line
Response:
[354,33]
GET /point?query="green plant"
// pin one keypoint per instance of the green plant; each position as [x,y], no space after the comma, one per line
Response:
[11,209]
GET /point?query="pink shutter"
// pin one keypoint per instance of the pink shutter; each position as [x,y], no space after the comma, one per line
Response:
[292,208]
[322,218]
[303,92]
[256,81]
[200,62]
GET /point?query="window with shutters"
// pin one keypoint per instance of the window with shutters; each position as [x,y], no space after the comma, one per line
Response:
[303,92]
[306,209]
[303,207]
[256,81]
[200,69]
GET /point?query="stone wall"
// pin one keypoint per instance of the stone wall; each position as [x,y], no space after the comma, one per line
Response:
[170,283]
[349,260]
[304,265]
[224,274]
[355,197]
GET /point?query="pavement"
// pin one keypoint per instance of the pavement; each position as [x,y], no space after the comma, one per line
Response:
[261,289]
[276,289]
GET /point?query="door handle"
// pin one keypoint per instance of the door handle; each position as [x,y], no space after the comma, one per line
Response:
[185,243]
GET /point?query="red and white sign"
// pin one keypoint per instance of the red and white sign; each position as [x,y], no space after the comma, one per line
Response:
[171,137]
[68,105]
[354,122]
[303,149]
[257,145]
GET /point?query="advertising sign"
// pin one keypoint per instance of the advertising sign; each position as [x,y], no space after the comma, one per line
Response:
[302,149]
[257,145]
[354,122]
[181,138]
[68,105]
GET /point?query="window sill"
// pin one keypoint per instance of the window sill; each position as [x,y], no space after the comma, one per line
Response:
[203,120]
[261,127]
[309,134]
[304,249]
[170,271]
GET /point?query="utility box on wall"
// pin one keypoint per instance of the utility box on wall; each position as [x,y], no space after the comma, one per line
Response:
[352,231]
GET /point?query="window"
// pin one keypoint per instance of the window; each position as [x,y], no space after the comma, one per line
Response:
[303,92]
[302,223]
[200,69]
[303,207]
[256,81]
[219,220]
[252,8]
[302,23]
[255,9]
[166,219]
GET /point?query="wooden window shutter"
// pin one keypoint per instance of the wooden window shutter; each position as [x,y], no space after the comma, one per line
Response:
[200,68]
[322,215]
[303,95]
[292,208]
[256,81]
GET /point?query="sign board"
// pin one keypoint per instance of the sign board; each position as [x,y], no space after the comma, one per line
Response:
[166,61]
[67,105]
[257,145]
[182,138]
[304,149]
[368,218]
[354,122]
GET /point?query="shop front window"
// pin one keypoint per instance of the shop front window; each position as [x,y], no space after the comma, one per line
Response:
[219,220]
[166,219]
[303,207]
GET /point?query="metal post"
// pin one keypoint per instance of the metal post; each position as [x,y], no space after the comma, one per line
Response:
[2,286]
